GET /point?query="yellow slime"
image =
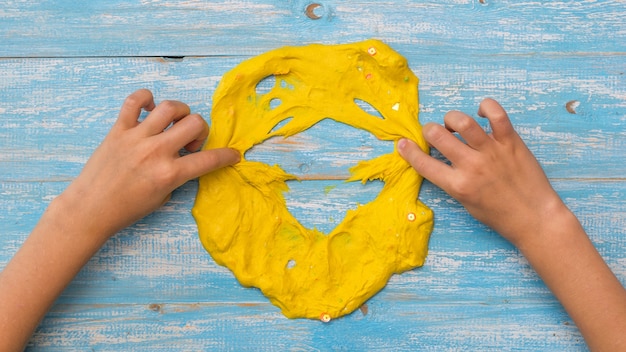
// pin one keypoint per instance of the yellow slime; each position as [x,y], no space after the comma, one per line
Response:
[240,210]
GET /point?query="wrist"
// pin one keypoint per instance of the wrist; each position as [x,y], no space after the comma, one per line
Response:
[547,225]
[75,213]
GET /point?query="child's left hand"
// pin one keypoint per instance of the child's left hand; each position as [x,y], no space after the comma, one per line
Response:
[138,165]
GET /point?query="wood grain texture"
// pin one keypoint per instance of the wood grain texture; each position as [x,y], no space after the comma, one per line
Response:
[241,27]
[65,69]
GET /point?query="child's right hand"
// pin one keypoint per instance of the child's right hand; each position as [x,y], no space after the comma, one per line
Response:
[494,176]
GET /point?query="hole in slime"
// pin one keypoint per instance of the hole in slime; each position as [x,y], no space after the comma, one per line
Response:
[321,158]
[368,108]
[274,103]
[265,85]
[264,88]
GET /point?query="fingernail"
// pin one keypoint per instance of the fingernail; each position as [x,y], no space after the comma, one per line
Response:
[237,155]
[402,144]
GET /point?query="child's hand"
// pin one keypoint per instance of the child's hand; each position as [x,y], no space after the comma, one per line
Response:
[500,183]
[131,174]
[138,165]
[494,176]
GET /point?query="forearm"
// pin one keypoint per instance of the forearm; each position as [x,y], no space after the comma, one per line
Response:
[51,256]
[571,267]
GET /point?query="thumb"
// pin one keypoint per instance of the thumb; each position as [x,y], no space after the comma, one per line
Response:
[423,163]
[411,152]
[202,162]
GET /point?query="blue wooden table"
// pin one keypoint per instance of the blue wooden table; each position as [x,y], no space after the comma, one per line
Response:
[557,66]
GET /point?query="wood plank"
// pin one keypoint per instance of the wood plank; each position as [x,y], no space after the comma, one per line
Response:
[56,111]
[227,27]
[153,286]
[467,325]
[139,264]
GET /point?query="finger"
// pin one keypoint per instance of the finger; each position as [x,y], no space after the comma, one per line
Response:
[444,141]
[131,109]
[190,132]
[434,170]
[466,127]
[205,161]
[163,115]
[498,119]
